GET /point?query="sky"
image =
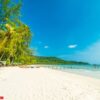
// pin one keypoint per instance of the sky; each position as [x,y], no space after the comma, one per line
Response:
[68,29]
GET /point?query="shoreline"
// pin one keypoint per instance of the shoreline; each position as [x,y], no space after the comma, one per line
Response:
[69,70]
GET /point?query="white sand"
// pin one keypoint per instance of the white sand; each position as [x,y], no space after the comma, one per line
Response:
[46,84]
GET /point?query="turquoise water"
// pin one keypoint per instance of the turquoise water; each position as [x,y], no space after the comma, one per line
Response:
[86,70]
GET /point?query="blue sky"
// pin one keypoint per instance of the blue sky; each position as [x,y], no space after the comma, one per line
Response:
[69,29]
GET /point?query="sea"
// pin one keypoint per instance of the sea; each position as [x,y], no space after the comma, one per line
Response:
[86,70]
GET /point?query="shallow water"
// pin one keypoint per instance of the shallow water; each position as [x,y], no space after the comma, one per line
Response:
[86,70]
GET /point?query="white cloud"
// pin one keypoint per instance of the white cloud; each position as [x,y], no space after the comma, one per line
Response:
[90,54]
[72,46]
[46,46]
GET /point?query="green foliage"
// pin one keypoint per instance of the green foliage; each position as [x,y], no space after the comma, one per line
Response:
[54,60]
[8,62]
[15,36]
[9,11]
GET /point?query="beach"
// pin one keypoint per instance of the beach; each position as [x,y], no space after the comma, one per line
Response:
[46,84]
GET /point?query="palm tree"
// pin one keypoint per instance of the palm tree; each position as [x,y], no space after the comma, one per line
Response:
[14,35]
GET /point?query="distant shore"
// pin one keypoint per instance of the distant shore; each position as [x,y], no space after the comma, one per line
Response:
[40,83]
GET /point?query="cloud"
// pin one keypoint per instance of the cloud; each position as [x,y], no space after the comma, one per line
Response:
[46,46]
[72,46]
[91,54]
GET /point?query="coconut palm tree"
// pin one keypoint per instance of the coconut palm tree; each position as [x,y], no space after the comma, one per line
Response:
[14,35]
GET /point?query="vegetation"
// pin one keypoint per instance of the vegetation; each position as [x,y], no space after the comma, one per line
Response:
[54,60]
[14,35]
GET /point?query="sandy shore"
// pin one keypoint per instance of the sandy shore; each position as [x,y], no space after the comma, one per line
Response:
[46,84]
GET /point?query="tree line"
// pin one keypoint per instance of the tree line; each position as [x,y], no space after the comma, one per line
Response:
[55,61]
